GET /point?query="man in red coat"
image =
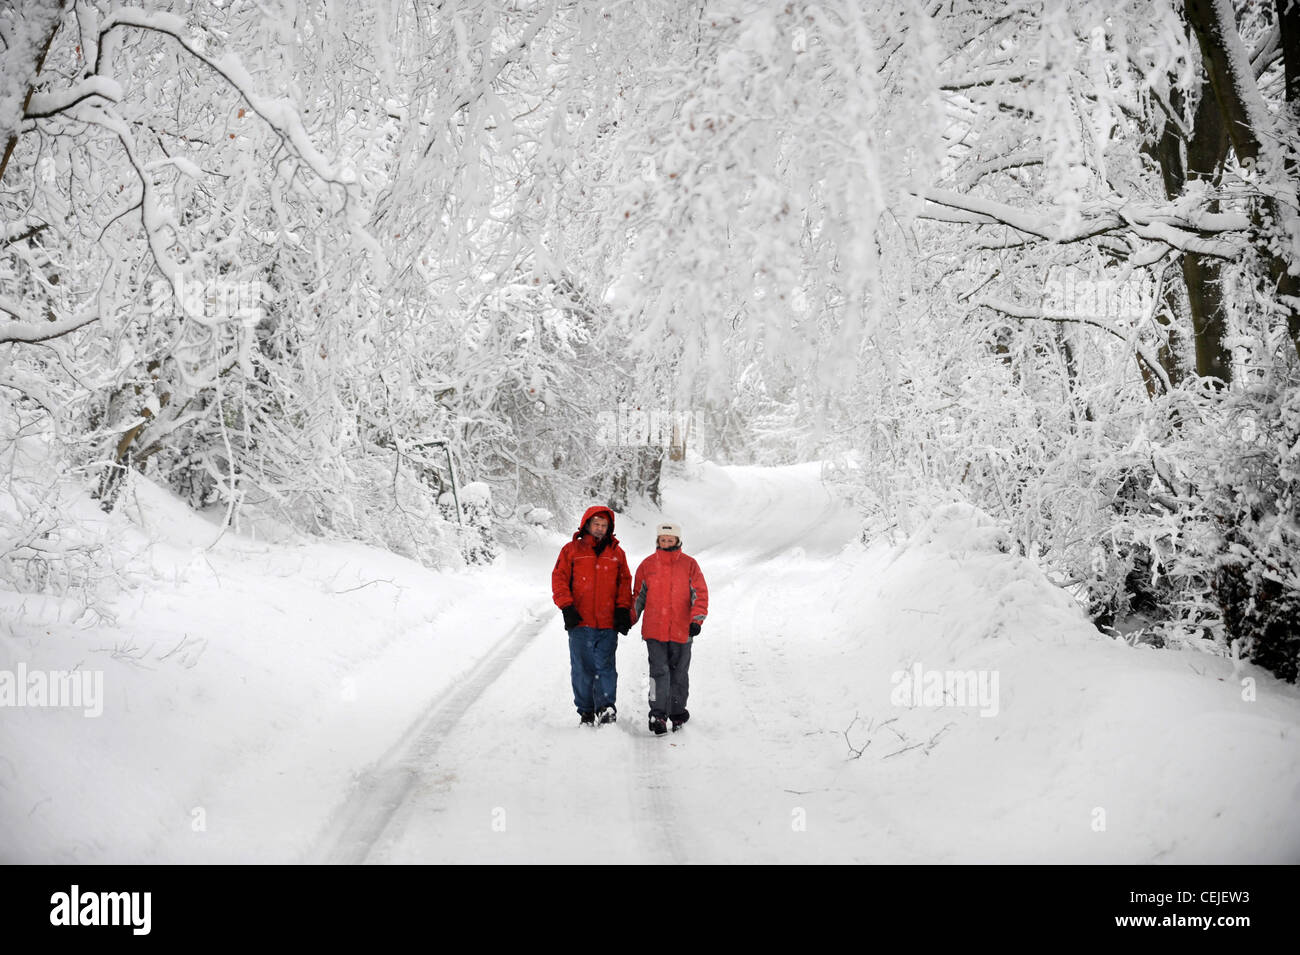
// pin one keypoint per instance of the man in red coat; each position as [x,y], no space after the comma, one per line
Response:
[592,586]
[671,600]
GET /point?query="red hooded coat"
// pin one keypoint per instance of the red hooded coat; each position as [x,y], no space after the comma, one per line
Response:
[594,584]
[670,593]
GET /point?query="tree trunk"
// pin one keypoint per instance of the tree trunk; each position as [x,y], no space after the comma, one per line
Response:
[36,25]
[1288,18]
[1206,151]
[1288,21]
[1245,117]
[1202,275]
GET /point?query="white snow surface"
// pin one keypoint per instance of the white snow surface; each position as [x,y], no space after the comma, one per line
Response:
[307,701]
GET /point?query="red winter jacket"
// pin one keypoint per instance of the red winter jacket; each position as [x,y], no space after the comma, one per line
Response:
[670,593]
[594,584]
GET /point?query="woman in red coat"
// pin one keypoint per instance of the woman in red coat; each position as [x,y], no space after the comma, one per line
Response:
[671,600]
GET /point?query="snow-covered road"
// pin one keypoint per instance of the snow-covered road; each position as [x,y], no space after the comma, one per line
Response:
[500,770]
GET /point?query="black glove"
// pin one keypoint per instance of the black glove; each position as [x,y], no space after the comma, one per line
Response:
[571,617]
[695,628]
[622,619]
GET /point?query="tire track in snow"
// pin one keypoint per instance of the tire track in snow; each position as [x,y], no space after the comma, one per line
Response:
[665,835]
[359,824]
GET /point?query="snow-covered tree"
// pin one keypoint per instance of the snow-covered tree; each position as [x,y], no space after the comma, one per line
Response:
[338,261]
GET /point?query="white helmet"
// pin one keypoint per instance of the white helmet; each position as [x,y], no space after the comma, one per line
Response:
[668,527]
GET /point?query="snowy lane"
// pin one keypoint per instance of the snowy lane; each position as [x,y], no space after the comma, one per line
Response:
[502,773]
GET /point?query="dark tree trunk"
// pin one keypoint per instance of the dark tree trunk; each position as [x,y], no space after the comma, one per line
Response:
[1202,276]
[39,21]
[1234,89]
[1227,83]
[1288,18]
[1206,151]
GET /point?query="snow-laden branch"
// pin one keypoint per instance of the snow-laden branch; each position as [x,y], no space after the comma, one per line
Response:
[173,416]
[1014,310]
[281,114]
[1014,161]
[20,229]
[1043,225]
[152,216]
[1171,114]
[1178,239]
[1167,224]
[28,328]
[958,216]
[31,387]
[42,105]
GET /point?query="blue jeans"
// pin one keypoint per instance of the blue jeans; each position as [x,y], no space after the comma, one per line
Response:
[591,662]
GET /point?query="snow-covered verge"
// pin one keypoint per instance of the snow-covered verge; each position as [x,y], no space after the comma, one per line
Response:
[995,724]
[291,700]
[235,688]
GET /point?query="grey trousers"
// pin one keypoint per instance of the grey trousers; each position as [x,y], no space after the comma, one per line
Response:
[670,665]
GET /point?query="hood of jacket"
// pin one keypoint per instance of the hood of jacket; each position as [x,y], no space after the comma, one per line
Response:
[592,512]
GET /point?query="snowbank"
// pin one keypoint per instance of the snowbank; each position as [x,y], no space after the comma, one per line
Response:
[245,684]
[978,698]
